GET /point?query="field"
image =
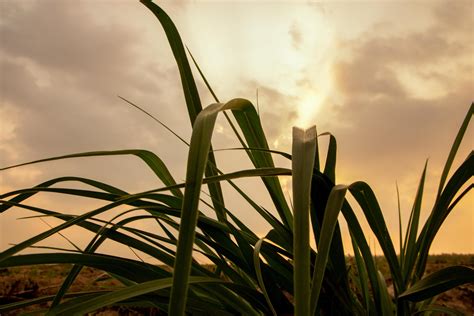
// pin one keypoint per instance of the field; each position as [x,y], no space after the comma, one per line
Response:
[21,283]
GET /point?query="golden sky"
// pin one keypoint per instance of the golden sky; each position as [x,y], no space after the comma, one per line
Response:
[392,80]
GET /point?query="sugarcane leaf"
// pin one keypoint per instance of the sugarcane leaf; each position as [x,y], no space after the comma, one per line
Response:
[438,282]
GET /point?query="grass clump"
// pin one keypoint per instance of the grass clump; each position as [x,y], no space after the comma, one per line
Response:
[279,274]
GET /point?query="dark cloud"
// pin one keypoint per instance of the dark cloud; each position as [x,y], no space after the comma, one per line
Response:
[49,32]
[362,76]
[453,16]
[379,119]
[61,72]
[62,66]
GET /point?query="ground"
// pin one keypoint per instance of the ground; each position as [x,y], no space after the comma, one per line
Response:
[22,283]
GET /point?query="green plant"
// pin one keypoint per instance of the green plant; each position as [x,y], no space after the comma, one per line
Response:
[278,274]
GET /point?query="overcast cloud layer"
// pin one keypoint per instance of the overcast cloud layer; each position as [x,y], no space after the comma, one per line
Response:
[392,81]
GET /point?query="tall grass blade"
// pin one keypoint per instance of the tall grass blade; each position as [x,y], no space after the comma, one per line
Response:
[261,282]
[336,276]
[191,94]
[335,201]
[387,305]
[362,275]
[250,125]
[410,251]
[454,149]
[303,156]
[400,230]
[370,206]
[330,166]
[441,210]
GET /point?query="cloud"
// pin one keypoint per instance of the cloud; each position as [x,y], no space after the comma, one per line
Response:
[278,112]
[394,98]
[380,116]
[399,99]
[295,35]
[60,81]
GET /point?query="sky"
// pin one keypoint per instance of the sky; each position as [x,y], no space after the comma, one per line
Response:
[392,80]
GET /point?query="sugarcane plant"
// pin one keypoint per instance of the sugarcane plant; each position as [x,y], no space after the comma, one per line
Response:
[277,274]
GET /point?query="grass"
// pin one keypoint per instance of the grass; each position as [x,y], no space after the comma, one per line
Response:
[278,274]
[21,283]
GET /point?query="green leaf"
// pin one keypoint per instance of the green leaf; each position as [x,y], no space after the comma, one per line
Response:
[44,299]
[410,247]
[197,159]
[387,305]
[303,156]
[129,269]
[358,234]
[439,309]
[80,306]
[249,122]
[152,160]
[261,282]
[191,95]
[438,282]
[362,275]
[371,208]
[330,165]
[441,210]
[335,201]
[454,149]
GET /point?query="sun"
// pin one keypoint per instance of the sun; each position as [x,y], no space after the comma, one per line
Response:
[311,100]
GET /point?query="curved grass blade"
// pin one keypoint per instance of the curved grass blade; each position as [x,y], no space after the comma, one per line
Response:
[82,221]
[129,269]
[116,194]
[438,282]
[152,160]
[249,122]
[261,283]
[234,129]
[193,102]
[438,309]
[44,299]
[370,206]
[197,160]
[93,245]
[79,306]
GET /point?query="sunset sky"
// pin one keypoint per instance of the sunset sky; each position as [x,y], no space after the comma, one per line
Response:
[392,80]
